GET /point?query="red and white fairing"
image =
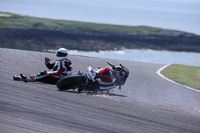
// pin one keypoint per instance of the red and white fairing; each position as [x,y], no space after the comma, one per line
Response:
[106,76]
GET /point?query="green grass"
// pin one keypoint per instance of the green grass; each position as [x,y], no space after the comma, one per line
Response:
[183,74]
[17,21]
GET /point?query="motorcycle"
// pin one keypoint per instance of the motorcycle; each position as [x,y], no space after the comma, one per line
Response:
[94,79]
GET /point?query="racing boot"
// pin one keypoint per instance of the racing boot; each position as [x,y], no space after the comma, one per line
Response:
[17,78]
[28,79]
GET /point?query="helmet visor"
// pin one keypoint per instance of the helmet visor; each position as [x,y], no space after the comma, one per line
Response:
[60,54]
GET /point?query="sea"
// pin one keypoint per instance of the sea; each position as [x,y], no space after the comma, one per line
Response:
[182,15]
[147,56]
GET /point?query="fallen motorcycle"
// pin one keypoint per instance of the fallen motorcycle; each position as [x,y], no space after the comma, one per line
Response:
[101,79]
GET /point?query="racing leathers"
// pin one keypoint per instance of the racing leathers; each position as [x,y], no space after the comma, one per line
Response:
[59,68]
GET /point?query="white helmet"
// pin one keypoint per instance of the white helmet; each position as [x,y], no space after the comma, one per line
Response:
[62,54]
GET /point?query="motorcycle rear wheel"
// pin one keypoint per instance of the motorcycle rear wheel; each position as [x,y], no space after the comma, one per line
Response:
[69,82]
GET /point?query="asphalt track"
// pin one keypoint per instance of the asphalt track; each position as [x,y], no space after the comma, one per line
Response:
[146,104]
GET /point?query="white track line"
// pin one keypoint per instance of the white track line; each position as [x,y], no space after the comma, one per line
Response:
[159,73]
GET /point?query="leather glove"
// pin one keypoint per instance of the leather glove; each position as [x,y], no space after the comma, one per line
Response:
[47,60]
[43,73]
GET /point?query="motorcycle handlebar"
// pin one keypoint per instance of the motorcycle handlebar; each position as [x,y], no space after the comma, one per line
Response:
[114,66]
[122,67]
[110,64]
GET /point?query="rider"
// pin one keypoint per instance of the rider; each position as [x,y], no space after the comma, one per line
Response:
[62,67]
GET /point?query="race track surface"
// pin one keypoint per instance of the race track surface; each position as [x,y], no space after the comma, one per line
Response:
[146,104]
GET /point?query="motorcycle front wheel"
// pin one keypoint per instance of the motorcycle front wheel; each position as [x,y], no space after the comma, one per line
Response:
[69,82]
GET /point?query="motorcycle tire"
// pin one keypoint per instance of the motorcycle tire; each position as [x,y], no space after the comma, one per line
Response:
[69,82]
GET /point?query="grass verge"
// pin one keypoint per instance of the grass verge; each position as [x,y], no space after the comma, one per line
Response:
[183,74]
[18,21]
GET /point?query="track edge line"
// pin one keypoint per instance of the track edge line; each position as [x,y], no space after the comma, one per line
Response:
[159,73]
